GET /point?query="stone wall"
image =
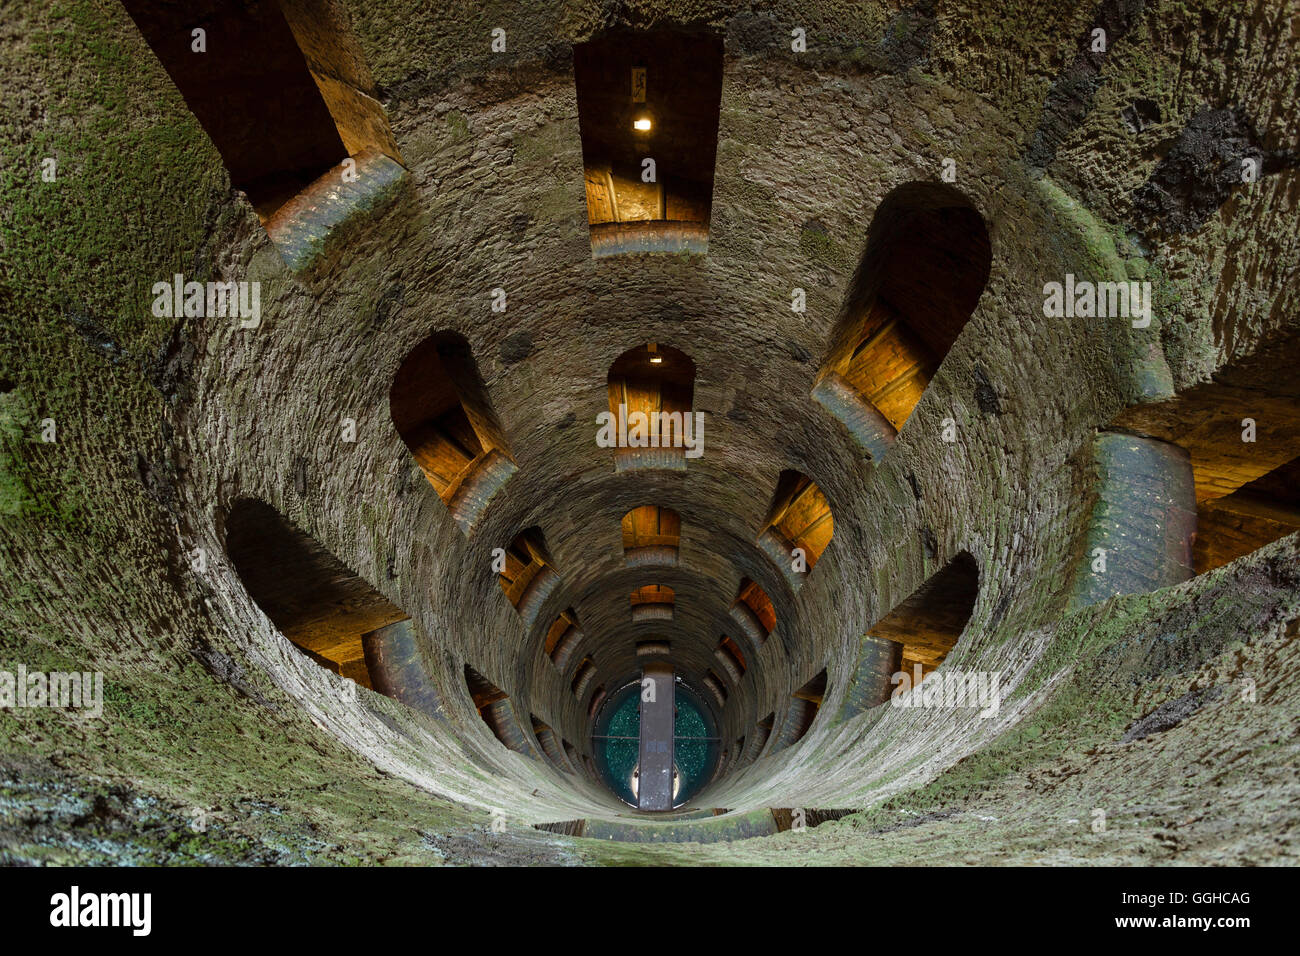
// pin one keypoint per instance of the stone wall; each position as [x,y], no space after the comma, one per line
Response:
[113,535]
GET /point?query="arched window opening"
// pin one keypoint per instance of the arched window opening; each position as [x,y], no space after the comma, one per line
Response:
[716,687]
[312,598]
[732,659]
[651,535]
[563,639]
[528,577]
[762,733]
[927,260]
[571,754]
[654,648]
[1255,514]
[933,617]
[583,677]
[654,602]
[494,707]
[441,410]
[802,711]
[280,87]
[1241,435]
[1194,482]
[648,106]
[753,613]
[799,526]
[550,743]
[650,422]
[597,698]
[1143,524]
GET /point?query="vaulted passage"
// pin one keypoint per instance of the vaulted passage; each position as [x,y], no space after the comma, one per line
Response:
[926,262]
[731,658]
[799,526]
[753,613]
[527,574]
[653,602]
[650,422]
[494,706]
[648,107]
[563,639]
[441,410]
[802,711]
[1257,513]
[224,58]
[931,619]
[1197,481]
[651,535]
[311,597]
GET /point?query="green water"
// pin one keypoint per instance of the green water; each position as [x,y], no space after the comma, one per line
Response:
[695,759]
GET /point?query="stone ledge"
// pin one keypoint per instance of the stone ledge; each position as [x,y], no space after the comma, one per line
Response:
[303,227]
[656,235]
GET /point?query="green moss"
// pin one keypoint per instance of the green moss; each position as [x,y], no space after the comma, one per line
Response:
[16,421]
[457,127]
[546,144]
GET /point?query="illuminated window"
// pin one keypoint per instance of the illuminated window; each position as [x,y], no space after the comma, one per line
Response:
[282,90]
[801,712]
[494,707]
[311,597]
[926,262]
[654,602]
[931,619]
[563,638]
[650,422]
[732,659]
[650,536]
[528,577]
[799,526]
[753,612]
[441,411]
[648,106]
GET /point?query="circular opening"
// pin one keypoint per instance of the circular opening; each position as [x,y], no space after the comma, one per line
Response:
[616,742]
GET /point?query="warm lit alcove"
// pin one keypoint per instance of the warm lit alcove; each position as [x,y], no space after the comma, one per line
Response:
[494,707]
[801,711]
[925,265]
[653,602]
[312,598]
[651,422]
[753,613]
[563,638]
[529,576]
[731,658]
[651,535]
[323,110]
[441,410]
[798,528]
[931,619]
[648,105]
